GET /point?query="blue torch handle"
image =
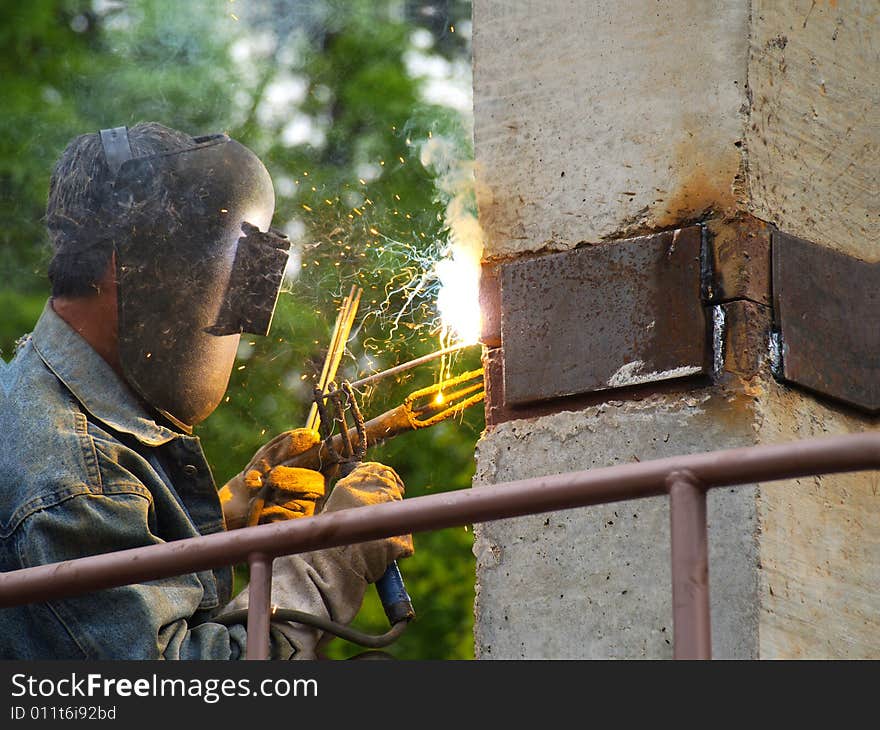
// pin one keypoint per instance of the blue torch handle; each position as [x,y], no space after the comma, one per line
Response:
[392,592]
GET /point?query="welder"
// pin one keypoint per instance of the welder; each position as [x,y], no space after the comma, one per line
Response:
[162,256]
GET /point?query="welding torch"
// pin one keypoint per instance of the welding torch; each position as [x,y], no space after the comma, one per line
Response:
[420,409]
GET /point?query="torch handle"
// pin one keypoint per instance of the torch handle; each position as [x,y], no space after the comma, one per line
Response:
[379,429]
[395,600]
[390,587]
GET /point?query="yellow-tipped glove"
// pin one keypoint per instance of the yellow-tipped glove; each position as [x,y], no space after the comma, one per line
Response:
[332,582]
[292,491]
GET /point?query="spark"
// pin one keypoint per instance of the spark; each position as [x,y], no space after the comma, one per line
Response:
[421,284]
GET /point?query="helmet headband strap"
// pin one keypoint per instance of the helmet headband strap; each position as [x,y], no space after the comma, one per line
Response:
[117,149]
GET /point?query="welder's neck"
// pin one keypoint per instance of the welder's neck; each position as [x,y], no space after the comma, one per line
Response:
[95,319]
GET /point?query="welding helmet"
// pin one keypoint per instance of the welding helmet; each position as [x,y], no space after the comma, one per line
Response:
[194,268]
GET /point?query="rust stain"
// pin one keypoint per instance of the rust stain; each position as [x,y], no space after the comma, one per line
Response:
[733,402]
[753,388]
[705,185]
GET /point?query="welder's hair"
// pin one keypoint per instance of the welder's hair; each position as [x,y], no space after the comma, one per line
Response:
[81,223]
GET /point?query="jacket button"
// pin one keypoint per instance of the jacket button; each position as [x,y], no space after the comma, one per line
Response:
[190,470]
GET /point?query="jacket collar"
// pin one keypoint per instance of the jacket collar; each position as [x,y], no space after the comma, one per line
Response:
[93,382]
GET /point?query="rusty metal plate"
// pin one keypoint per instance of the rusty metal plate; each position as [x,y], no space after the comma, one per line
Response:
[739,253]
[610,316]
[827,311]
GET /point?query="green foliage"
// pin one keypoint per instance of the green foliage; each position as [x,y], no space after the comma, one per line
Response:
[349,184]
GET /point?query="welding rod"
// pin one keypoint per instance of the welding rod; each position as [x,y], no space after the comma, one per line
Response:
[411,364]
[344,322]
[341,331]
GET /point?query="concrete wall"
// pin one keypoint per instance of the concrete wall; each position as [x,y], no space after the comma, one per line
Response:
[814,129]
[595,582]
[820,542]
[594,121]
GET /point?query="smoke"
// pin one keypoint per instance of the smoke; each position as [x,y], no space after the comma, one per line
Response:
[458,269]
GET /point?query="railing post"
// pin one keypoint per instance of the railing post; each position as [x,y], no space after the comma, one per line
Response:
[690,567]
[259,606]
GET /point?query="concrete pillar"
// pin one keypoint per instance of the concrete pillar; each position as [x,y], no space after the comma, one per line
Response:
[596,122]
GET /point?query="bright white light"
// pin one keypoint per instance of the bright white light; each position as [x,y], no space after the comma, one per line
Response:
[458,300]
[458,271]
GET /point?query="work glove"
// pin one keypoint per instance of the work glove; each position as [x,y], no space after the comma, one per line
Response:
[371,483]
[291,491]
[332,582]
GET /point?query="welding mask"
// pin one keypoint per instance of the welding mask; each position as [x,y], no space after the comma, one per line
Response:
[194,269]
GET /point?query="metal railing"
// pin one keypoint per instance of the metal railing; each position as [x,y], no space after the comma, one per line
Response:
[686,479]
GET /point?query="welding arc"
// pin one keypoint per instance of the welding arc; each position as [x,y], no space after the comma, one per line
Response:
[341,331]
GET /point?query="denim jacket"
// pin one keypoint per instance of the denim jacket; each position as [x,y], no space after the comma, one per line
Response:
[84,469]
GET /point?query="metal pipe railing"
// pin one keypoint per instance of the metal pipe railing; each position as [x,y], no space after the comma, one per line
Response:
[683,475]
[689,543]
[259,606]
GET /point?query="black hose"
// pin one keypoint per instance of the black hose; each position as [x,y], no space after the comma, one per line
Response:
[371,641]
